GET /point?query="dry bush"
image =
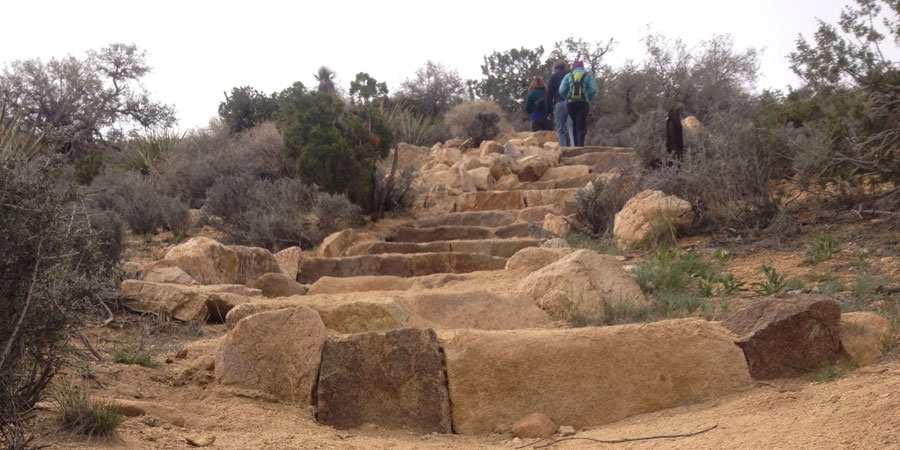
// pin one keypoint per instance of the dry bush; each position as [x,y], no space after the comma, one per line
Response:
[477,120]
[277,214]
[725,172]
[81,414]
[200,159]
[599,203]
[140,204]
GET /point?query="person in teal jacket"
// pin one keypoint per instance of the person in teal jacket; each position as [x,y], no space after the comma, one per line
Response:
[578,88]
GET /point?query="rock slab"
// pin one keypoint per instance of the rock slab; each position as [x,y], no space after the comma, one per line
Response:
[587,376]
[278,352]
[788,335]
[863,336]
[394,380]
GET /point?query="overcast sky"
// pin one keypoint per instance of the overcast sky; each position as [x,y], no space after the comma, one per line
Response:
[199,49]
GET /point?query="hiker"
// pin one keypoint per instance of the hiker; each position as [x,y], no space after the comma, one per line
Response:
[557,104]
[578,87]
[536,105]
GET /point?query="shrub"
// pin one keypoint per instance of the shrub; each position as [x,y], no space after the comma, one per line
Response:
[278,214]
[822,248]
[52,269]
[199,159]
[415,128]
[88,168]
[135,356]
[139,203]
[80,414]
[477,120]
[335,149]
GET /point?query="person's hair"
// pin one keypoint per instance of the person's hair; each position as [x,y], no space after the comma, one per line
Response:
[537,83]
[560,65]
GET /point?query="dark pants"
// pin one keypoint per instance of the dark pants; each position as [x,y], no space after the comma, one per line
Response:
[541,124]
[578,111]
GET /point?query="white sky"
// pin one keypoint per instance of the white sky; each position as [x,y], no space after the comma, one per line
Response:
[200,49]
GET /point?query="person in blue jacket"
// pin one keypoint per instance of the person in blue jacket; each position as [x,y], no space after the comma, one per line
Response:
[557,104]
[578,88]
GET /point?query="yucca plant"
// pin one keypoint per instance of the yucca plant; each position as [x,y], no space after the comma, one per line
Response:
[15,141]
[151,148]
[414,128]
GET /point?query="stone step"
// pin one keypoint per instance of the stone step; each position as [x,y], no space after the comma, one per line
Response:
[587,376]
[401,265]
[605,161]
[569,152]
[568,183]
[472,218]
[497,219]
[511,200]
[503,248]
[457,233]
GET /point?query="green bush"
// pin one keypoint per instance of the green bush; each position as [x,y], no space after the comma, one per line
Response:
[334,148]
[476,120]
[88,168]
[822,248]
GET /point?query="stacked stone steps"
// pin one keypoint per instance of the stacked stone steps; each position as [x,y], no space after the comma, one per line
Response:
[458,233]
[503,248]
[567,183]
[512,200]
[604,161]
[401,265]
[571,152]
[494,218]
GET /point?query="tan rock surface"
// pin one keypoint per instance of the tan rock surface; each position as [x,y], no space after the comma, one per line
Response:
[275,284]
[335,285]
[863,336]
[584,283]
[206,260]
[278,352]
[530,259]
[187,303]
[289,261]
[474,309]
[587,376]
[534,425]
[253,262]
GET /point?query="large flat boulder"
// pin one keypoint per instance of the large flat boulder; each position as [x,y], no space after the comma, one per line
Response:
[278,352]
[394,380]
[548,197]
[366,283]
[166,273]
[253,262]
[205,260]
[863,336]
[482,178]
[174,301]
[587,376]
[379,247]
[503,248]
[336,243]
[788,335]
[474,309]
[584,283]
[311,269]
[532,168]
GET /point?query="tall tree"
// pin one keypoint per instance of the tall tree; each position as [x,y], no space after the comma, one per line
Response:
[83,104]
[508,74]
[437,87]
[246,107]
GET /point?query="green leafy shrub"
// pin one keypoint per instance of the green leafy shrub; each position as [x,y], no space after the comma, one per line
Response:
[334,148]
[476,120]
[88,168]
[80,414]
[822,248]
[135,356]
[774,282]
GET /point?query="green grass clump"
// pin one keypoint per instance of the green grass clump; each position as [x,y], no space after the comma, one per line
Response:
[775,282]
[822,248]
[605,245]
[135,356]
[80,414]
[613,313]
[831,372]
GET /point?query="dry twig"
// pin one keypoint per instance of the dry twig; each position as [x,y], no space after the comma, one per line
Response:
[614,441]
